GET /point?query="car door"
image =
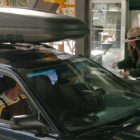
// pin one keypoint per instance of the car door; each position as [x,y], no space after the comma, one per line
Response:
[8,134]
[6,131]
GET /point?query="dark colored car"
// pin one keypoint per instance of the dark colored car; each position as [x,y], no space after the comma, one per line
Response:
[70,97]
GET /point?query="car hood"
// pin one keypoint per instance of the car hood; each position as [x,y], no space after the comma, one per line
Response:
[24,25]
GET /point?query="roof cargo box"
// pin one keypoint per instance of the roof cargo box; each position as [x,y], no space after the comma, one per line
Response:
[28,26]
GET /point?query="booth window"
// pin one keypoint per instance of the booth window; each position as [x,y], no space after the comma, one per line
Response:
[107,31]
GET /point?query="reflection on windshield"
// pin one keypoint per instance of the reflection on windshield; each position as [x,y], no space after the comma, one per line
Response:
[82,94]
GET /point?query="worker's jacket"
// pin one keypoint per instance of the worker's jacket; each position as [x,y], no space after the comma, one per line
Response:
[132,65]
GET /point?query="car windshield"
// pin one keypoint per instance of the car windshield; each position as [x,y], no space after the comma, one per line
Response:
[82,94]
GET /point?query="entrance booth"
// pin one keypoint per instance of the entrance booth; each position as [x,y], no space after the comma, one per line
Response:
[107,26]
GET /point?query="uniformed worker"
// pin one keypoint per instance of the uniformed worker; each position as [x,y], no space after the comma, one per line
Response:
[13,102]
[131,64]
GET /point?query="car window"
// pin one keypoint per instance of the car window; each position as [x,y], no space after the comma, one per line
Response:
[13,100]
[83,94]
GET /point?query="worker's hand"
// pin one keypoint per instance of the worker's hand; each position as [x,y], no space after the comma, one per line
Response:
[114,65]
[125,74]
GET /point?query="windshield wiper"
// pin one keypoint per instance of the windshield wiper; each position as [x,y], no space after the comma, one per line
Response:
[132,121]
[101,130]
[111,129]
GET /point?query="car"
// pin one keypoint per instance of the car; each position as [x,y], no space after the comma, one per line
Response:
[70,97]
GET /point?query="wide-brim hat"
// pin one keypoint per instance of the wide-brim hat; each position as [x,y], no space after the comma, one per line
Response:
[133,34]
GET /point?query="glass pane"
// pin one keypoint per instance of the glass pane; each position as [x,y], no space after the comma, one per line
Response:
[106,32]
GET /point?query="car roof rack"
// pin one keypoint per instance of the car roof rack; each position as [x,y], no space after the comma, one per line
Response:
[22,46]
[31,26]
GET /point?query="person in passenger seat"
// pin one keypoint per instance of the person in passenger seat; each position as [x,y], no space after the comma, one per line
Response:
[13,102]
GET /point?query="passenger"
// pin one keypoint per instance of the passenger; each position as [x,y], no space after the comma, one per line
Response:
[131,64]
[13,102]
[91,99]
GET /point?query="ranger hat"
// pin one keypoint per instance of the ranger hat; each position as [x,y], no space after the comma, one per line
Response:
[133,34]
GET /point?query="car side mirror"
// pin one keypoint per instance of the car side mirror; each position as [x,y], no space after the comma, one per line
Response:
[25,122]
